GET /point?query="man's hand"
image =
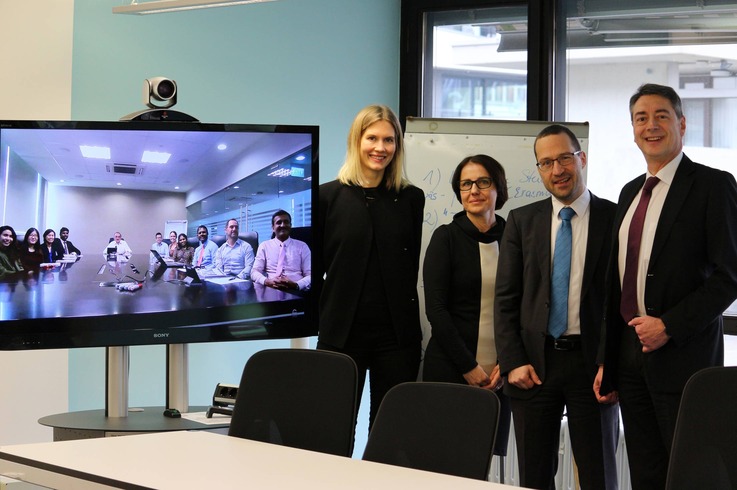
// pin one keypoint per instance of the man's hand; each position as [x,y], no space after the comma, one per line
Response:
[524,377]
[651,332]
[612,397]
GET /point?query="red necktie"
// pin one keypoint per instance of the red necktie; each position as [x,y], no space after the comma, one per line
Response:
[202,254]
[628,306]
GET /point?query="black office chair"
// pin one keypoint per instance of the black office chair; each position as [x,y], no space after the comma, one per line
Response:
[442,427]
[704,452]
[299,398]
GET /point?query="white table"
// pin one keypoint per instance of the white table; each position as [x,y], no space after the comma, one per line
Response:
[197,460]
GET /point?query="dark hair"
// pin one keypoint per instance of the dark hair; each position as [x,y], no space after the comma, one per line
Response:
[63,229]
[280,212]
[557,129]
[662,91]
[47,232]
[232,219]
[25,238]
[496,172]
[200,227]
[185,237]
[12,250]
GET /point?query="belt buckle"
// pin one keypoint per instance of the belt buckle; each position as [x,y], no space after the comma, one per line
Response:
[564,344]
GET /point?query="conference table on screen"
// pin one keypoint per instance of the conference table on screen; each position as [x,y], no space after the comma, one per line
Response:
[184,460]
[86,289]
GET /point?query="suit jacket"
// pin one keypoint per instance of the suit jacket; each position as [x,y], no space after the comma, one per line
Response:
[523,288]
[70,246]
[691,277]
[344,244]
[57,252]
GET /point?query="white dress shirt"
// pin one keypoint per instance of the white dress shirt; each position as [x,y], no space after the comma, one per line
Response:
[654,208]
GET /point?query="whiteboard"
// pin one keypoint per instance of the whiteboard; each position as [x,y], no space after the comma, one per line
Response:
[434,147]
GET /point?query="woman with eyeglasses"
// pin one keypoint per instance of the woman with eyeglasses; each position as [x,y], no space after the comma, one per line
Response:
[30,250]
[459,275]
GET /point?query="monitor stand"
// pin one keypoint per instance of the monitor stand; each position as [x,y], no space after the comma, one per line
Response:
[117,365]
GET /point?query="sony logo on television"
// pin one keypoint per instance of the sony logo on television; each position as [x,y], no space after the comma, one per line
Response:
[160,335]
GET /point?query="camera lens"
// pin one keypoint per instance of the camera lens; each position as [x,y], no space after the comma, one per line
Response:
[165,89]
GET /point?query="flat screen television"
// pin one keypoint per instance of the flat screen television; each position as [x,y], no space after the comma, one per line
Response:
[138,178]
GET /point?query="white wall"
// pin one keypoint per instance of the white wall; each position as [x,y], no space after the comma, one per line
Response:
[35,84]
[94,215]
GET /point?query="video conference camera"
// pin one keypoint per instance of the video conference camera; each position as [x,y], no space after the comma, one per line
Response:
[159,94]
[159,89]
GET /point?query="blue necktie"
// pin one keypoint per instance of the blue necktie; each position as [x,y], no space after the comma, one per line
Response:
[558,319]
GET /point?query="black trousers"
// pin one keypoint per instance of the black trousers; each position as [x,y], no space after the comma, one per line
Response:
[649,418]
[387,365]
[594,428]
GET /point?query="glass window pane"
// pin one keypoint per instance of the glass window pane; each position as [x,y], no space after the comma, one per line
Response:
[477,65]
[612,48]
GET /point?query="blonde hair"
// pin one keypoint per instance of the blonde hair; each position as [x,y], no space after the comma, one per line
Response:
[394,174]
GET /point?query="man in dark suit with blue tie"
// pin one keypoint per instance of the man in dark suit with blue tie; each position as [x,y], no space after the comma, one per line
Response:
[673,271]
[548,313]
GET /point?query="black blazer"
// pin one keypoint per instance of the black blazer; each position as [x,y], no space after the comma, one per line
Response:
[344,245]
[523,288]
[691,277]
[57,252]
[70,246]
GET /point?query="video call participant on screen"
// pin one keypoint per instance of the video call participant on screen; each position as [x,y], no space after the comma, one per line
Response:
[283,262]
[63,241]
[31,255]
[549,308]
[371,220]
[122,250]
[234,257]
[9,257]
[52,250]
[204,254]
[666,295]
[172,242]
[183,252]
[160,247]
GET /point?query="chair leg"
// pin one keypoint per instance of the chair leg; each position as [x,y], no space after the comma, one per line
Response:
[501,469]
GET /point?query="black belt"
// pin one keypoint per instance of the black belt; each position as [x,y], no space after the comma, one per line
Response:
[566,343]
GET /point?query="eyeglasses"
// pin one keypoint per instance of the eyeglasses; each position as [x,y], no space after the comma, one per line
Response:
[564,159]
[482,183]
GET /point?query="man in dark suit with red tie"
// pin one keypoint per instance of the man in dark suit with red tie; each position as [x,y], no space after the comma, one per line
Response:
[547,330]
[673,271]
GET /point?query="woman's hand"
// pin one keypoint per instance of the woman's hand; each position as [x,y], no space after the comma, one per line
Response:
[478,377]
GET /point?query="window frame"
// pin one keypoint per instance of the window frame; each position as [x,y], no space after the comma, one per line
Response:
[545,94]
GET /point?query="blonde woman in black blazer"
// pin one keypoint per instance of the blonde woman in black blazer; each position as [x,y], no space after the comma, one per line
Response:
[370,222]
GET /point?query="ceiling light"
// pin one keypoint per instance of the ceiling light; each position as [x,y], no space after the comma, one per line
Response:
[222,146]
[101,152]
[162,6]
[280,172]
[155,157]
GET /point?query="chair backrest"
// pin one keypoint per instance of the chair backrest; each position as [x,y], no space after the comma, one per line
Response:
[441,427]
[704,452]
[300,398]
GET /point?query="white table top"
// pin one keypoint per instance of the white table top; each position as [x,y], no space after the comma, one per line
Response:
[181,460]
